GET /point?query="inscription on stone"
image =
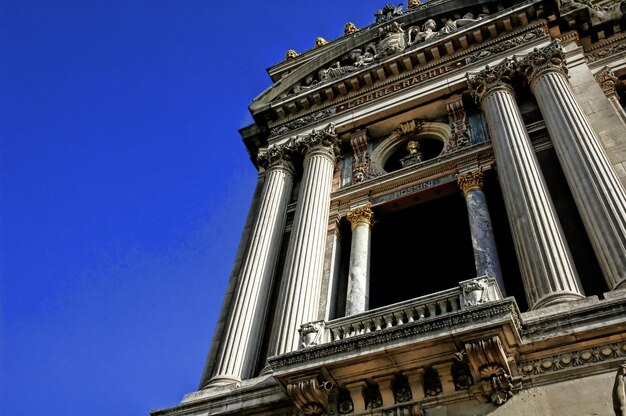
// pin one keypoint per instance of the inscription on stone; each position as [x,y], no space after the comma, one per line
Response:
[414,188]
[401,85]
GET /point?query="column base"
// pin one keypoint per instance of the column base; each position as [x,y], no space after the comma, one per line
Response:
[621,284]
[557,297]
[222,381]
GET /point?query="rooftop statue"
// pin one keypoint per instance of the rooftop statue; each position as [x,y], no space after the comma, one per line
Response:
[388,12]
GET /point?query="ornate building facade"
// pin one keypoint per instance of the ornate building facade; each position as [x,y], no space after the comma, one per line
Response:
[439,226]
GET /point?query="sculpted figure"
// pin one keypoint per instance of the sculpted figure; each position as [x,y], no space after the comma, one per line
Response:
[452,25]
[392,40]
[388,12]
[603,14]
[361,59]
[349,29]
[619,391]
[320,41]
[428,30]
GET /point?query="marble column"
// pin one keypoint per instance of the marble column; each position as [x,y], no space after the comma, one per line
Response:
[302,273]
[483,243]
[597,191]
[243,332]
[357,299]
[544,258]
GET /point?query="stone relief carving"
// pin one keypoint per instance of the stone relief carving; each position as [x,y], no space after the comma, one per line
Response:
[459,126]
[362,167]
[388,12]
[392,40]
[402,390]
[619,391]
[573,359]
[453,25]
[301,122]
[507,44]
[311,333]
[488,359]
[607,80]
[310,395]
[417,34]
[609,51]
[597,14]
[480,290]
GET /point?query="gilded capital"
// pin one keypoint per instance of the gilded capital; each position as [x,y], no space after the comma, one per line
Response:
[491,79]
[349,29]
[278,157]
[470,181]
[542,61]
[361,215]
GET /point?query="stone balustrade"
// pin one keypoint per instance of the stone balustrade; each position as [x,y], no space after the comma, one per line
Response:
[470,293]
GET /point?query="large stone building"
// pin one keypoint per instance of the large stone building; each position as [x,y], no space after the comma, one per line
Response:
[439,226]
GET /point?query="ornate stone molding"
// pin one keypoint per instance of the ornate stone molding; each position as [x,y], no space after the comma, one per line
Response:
[362,167]
[488,359]
[507,44]
[278,156]
[301,122]
[541,61]
[573,359]
[470,181]
[607,50]
[361,215]
[492,79]
[458,124]
[607,80]
[310,395]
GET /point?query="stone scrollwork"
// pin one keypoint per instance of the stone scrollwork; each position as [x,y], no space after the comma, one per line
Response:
[311,333]
[310,395]
[458,124]
[488,359]
[479,291]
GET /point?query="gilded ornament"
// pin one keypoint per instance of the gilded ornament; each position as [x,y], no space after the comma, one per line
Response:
[361,215]
[320,41]
[349,29]
[413,147]
[290,54]
[470,181]
[414,3]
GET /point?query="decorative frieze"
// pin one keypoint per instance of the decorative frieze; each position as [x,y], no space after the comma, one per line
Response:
[508,44]
[610,50]
[302,121]
[573,359]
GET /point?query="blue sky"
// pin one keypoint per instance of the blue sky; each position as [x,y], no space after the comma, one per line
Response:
[124,187]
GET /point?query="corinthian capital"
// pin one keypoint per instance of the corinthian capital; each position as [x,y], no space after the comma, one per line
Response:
[278,156]
[471,180]
[323,141]
[491,79]
[542,61]
[362,215]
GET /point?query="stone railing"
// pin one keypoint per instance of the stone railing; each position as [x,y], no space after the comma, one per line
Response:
[469,293]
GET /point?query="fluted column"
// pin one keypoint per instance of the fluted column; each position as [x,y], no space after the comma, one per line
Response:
[483,243]
[598,194]
[244,328]
[545,262]
[357,299]
[302,273]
